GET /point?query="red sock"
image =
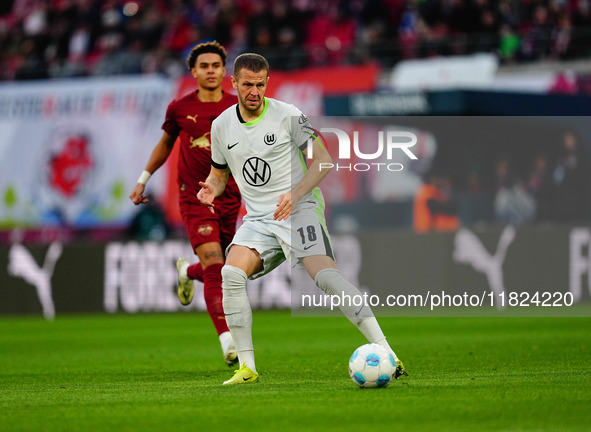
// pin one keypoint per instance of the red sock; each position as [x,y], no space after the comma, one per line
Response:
[212,291]
[195,271]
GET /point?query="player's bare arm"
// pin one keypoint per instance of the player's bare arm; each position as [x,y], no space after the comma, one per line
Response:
[213,186]
[157,158]
[321,160]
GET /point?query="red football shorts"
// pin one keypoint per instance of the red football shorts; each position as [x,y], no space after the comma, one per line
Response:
[203,226]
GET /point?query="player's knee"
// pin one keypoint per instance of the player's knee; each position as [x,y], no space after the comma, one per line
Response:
[209,254]
[235,301]
[233,278]
[233,288]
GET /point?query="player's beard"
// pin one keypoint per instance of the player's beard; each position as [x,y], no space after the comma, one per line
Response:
[248,107]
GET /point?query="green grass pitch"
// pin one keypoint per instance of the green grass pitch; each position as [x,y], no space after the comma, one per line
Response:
[163,372]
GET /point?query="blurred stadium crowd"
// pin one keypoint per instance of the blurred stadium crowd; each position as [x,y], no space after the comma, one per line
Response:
[66,38]
[542,180]
[546,185]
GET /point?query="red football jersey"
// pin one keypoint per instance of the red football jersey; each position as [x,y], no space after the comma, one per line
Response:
[190,120]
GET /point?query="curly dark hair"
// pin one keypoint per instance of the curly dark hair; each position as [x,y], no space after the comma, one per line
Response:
[203,48]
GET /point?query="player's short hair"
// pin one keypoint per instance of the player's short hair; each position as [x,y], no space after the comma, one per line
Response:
[204,48]
[252,62]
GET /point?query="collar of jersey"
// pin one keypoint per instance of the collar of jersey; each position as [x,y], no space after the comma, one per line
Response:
[259,118]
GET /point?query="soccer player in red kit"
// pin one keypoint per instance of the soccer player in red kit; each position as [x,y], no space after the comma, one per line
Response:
[189,118]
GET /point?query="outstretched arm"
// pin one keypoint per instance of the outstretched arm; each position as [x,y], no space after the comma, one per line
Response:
[320,167]
[213,186]
[157,158]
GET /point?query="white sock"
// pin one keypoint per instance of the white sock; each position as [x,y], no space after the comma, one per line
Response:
[332,282]
[248,358]
[374,334]
[385,344]
[238,313]
[226,341]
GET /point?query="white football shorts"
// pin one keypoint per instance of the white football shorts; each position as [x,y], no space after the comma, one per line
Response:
[303,234]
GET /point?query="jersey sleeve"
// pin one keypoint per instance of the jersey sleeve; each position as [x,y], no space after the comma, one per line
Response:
[170,125]
[218,160]
[301,130]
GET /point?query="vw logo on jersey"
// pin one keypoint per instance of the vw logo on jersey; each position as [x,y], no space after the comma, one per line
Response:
[256,172]
[270,139]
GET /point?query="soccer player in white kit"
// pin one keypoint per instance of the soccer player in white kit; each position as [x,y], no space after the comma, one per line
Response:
[259,141]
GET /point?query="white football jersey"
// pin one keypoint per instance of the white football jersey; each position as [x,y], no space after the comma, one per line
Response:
[264,154]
